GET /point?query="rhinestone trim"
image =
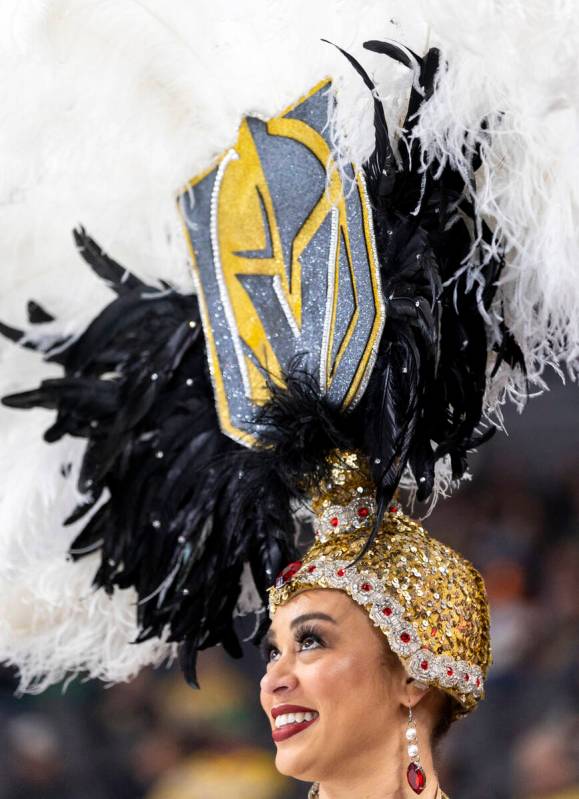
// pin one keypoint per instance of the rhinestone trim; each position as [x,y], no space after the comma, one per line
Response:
[335,519]
[367,590]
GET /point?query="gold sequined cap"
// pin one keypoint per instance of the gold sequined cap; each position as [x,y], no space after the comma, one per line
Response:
[428,600]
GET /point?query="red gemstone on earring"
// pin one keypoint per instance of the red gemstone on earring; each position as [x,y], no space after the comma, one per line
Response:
[334,521]
[405,638]
[341,572]
[392,508]
[363,512]
[416,778]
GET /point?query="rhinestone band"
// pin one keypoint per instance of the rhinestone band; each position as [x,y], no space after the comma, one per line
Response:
[367,590]
[335,519]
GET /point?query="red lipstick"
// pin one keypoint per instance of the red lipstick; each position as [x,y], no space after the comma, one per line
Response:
[288,730]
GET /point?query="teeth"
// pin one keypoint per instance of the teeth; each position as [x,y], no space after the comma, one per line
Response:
[294,718]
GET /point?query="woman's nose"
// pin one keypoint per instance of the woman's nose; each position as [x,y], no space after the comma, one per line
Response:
[279,678]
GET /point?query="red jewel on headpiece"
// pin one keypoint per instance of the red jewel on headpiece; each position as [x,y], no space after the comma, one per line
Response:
[311,569]
[424,665]
[341,572]
[363,512]
[366,587]
[334,521]
[392,508]
[450,672]
[286,574]
[405,638]
[387,611]
[478,682]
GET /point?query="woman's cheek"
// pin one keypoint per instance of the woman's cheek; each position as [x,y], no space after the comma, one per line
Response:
[331,676]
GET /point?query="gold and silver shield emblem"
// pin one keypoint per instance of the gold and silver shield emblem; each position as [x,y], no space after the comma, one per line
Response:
[283,253]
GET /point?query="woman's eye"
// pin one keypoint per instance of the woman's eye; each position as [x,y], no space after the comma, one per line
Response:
[272,655]
[309,642]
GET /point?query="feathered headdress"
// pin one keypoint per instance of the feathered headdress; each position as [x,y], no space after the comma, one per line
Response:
[337,308]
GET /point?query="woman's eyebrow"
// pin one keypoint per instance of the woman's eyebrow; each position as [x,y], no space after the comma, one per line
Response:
[310,617]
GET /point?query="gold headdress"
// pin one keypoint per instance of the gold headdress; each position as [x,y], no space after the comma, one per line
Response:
[429,602]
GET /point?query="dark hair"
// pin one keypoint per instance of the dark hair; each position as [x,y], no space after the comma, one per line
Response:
[448,711]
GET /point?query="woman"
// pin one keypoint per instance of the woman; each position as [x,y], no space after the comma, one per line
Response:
[327,664]
[380,280]
[369,661]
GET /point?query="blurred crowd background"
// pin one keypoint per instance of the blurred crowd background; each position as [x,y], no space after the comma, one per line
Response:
[518,521]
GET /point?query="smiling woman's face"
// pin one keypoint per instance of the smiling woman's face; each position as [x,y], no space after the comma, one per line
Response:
[328,664]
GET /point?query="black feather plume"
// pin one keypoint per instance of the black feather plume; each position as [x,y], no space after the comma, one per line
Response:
[424,400]
[186,507]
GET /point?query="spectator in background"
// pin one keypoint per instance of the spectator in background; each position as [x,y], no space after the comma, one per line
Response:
[546,761]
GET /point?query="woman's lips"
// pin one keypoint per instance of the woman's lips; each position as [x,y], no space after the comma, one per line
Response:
[292,725]
[291,729]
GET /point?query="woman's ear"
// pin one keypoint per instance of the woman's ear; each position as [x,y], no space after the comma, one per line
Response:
[409,692]
[414,692]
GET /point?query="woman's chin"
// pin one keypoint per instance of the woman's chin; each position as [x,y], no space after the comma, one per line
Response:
[294,761]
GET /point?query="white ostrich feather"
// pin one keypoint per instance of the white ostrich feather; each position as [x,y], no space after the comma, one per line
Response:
[55,626]
[108,108]
[53,623]
[514,65]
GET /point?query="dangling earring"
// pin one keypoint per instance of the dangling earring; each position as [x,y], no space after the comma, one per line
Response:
[415,774]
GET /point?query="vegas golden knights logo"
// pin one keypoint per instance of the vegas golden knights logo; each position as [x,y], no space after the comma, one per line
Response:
[283,253]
